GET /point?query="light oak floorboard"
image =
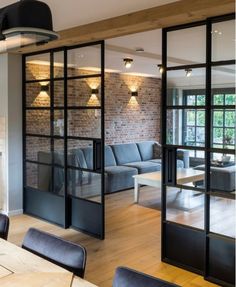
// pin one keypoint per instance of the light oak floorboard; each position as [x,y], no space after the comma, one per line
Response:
[133,238]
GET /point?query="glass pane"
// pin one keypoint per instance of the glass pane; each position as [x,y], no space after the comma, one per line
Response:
[191,100]
[58,93]
[84,185]
[41,177]
[58,64]
[223,172]
[181,89]
[222,216]
[38,67]
[185,207]
[217,135]
[38,94]
[223,76]
[186,46]
[84,123]
[223,41]
[38,122]
[229,137]
[191,168]
[218,99]
[200,118]
[200,136]
[230,99]
[191,117]
[59,123]
[84,92]
[230,118]
[80,154]
[201,100]
[84,61]
[218,118]
[58,152]
[35,147]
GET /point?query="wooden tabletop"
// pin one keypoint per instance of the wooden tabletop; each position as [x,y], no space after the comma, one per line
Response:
[19,267]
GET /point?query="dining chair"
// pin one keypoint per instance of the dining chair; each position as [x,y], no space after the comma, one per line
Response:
[69,255]
[4,226]
[126,277]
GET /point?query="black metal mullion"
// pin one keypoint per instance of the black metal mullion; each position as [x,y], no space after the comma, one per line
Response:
[67,199]
[163,140]
[52,116]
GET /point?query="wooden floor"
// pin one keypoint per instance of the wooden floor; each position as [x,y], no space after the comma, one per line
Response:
[132,239]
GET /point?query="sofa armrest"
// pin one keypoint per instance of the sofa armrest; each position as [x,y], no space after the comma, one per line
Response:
[184,156]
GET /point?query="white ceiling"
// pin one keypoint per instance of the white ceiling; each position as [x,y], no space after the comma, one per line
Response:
[71,13]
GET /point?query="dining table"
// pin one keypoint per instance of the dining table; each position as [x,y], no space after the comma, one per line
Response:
[21,268]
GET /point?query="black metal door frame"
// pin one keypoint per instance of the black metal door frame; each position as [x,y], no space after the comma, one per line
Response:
[203,242]
[32,196]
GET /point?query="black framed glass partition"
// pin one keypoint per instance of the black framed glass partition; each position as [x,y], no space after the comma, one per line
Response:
[198,120]
[63,132]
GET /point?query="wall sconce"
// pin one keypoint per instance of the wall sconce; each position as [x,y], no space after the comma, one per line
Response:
[44,88]
[95,92]
[161,69]
[134,94]
[188,72]
[128,62]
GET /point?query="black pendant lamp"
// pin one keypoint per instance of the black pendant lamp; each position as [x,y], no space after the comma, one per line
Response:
[24,23]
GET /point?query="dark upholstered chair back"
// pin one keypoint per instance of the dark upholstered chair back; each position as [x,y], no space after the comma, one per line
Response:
[4,226]
[66,254]
[126,277]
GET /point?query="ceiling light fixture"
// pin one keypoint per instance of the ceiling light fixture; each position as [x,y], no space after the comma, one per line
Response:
[25,23]
[188,72]
[161,69]
[139,50]
[128,62]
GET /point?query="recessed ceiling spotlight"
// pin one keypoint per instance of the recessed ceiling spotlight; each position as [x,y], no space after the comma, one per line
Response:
[139,50]
[128,62]
[188,72]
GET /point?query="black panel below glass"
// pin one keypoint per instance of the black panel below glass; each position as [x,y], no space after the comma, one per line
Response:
[86,216]
[44,205]
[185,246]
[222,259]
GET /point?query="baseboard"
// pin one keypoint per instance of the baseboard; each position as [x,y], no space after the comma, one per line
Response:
[15,212]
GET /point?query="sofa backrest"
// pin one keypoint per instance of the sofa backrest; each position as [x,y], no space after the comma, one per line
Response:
[88,155]
[146,149]
[126,153]
[109,157]
[79,159]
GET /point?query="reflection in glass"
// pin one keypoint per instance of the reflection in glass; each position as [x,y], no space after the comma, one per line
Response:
[80,154]
[185,207]
[84,61]
[223,41]
[35,146]
[186,46]
[84,185]
[222,216]
[58,64]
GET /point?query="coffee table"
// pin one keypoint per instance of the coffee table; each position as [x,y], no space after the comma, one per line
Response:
[184,175]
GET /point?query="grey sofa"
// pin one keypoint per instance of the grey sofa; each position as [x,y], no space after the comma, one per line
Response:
[122,162]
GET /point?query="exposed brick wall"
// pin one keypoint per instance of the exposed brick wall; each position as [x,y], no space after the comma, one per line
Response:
[127,119]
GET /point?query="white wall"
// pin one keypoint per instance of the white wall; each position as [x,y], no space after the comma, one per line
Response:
[11,110]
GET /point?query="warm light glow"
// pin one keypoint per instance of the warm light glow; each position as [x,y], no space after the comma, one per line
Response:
[188,72]
[128,62]
[133,104]
[15,41]
[161,69]
[42,100]
[93,101]
[93,83]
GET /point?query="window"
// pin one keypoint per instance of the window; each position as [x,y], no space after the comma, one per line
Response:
[223,119]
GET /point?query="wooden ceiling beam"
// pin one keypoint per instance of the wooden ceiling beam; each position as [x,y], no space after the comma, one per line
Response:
[180,12]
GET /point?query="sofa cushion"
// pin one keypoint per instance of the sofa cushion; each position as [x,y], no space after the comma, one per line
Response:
[109,157]
[119,178]
[180,163]
[145,166]
[146,150]
[79,159]
[88,155]
[125,153]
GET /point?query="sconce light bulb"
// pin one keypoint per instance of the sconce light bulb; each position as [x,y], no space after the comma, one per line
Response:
[161,69]
[188,72]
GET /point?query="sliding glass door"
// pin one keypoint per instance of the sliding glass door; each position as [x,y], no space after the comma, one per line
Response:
[198,117]
[63,112]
